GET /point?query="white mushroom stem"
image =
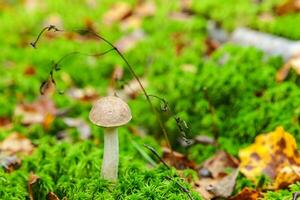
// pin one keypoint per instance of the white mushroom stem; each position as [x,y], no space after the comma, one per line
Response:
[110,160]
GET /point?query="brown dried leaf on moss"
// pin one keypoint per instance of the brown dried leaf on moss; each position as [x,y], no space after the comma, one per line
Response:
[210,188]
[218,183]
[87,94]
[293,63]
[5,123]
[16,143]
[219,162]
[247,194]
[145,8]
[288,6]
[42,111]
[182,162]
[9,163]
[32,181]
[274,154]
[52,196]
[117,12]
[211,45]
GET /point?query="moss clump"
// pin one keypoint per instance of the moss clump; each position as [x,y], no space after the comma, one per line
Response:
[73,171]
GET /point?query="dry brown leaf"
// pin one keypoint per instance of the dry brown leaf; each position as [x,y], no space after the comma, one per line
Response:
[288,6]
[5,123]
[52,196]
[210,188]
[282,73]
[293,63]
[132,89]
[38,112]
[247,194]
[32,180]
[132,22]
[29,71]
[274,154]
[179,42]
[9,163]
[182,162]
[211,46]
[128,42]
[87,94]
[224,187]
[119,11]
[286,176]
[16,143]
[201,187]
[219,162]
[48,88]
[145,8]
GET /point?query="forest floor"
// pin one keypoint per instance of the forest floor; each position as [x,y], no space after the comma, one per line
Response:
[217,118]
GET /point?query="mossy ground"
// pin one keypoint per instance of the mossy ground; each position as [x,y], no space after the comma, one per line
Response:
[238,82]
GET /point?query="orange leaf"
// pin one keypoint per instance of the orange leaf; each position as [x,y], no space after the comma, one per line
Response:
[246,194]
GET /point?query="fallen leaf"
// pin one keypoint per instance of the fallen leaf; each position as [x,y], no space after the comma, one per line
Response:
[219,162]
[247,194]
[224,187]
[16,143]
[287,176]
[38,112]
[210,188]
[5,123]
[274,154]
[282,73]
[128,42]
[82,127]
[29,71]
[211,46]
[288,6]
[119,11]
[87,94]
[52,196]
[181,161]
[32,182]
[145,8]
[132,89]
[9,163]
[47,88]
[133,22]
[201,187]
[293,63]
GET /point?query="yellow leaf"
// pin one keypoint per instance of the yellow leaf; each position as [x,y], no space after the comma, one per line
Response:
[271,154]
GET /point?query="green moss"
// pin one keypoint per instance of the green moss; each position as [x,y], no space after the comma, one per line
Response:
[73,170]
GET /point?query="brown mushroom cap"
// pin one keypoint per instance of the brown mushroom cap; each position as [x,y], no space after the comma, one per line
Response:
[110,111]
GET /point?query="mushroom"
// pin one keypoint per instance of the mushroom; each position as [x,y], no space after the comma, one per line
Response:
[110,112]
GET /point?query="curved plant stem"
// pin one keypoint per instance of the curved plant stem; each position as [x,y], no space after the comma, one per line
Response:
[51,27]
